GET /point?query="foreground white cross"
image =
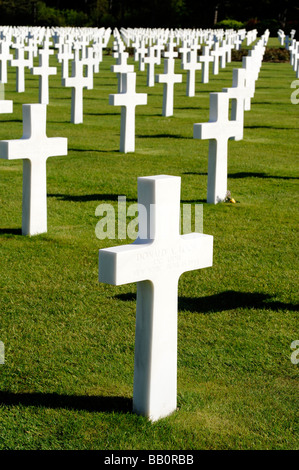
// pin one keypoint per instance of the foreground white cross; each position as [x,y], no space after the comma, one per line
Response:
[218,130]
[34,148]
[155,261]
[128,100]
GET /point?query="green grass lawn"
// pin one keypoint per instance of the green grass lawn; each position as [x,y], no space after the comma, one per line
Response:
[67,380]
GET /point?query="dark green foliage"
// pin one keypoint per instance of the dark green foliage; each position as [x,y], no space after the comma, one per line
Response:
[260,14]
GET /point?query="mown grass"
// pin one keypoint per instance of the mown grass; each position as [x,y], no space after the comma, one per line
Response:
[67,380]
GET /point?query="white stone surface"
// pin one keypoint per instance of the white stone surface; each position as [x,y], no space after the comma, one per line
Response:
[191,65]
[20,63]
[6,106]
[151,60]
[34,148]
[128,99]
[77,82]
[44,71]
[218,130]
[205,59]
[168,78]
[155,261]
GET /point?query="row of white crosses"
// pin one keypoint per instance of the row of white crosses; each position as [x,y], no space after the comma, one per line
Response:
[155,260]
[35,147]
[127,97]
[284,39]
[221,127]
[70,46]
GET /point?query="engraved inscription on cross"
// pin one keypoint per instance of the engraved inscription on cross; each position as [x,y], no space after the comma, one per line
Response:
[34,148]
[156,260]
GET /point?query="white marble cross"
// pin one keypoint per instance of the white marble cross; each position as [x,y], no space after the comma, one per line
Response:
[32,50]
[170,53]
[44,70]
[218,130]
[20,63]
[63,57]
[216,53]
[34,148]
[156,261]
[248,63]
[122,68]
[158,48]
[223,54]
[238,42]
[77,82]
[141,52]
[191,65]
[128,99]
[205,58]
[184,51]
[90,61]
[5,56]
[238,93]
[169,78]
[151,60]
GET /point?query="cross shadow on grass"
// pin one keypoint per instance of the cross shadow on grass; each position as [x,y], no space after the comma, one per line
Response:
[10,231]
[246,174]
[271,127]
[162,136]
[228,300]
[89,197]
[100,404]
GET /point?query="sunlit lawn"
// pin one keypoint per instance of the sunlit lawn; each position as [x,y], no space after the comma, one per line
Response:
[67,381]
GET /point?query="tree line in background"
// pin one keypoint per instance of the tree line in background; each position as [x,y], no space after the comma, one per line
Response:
[259,14]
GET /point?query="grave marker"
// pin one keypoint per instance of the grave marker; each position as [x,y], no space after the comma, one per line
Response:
[128,99]
[44,71]
[5,56]
[77,82]
[191,65]
[156,261]
[20,63]
[34,148]
[205,58]
[169,78]
[218,130]
[151,60]
[122,68]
